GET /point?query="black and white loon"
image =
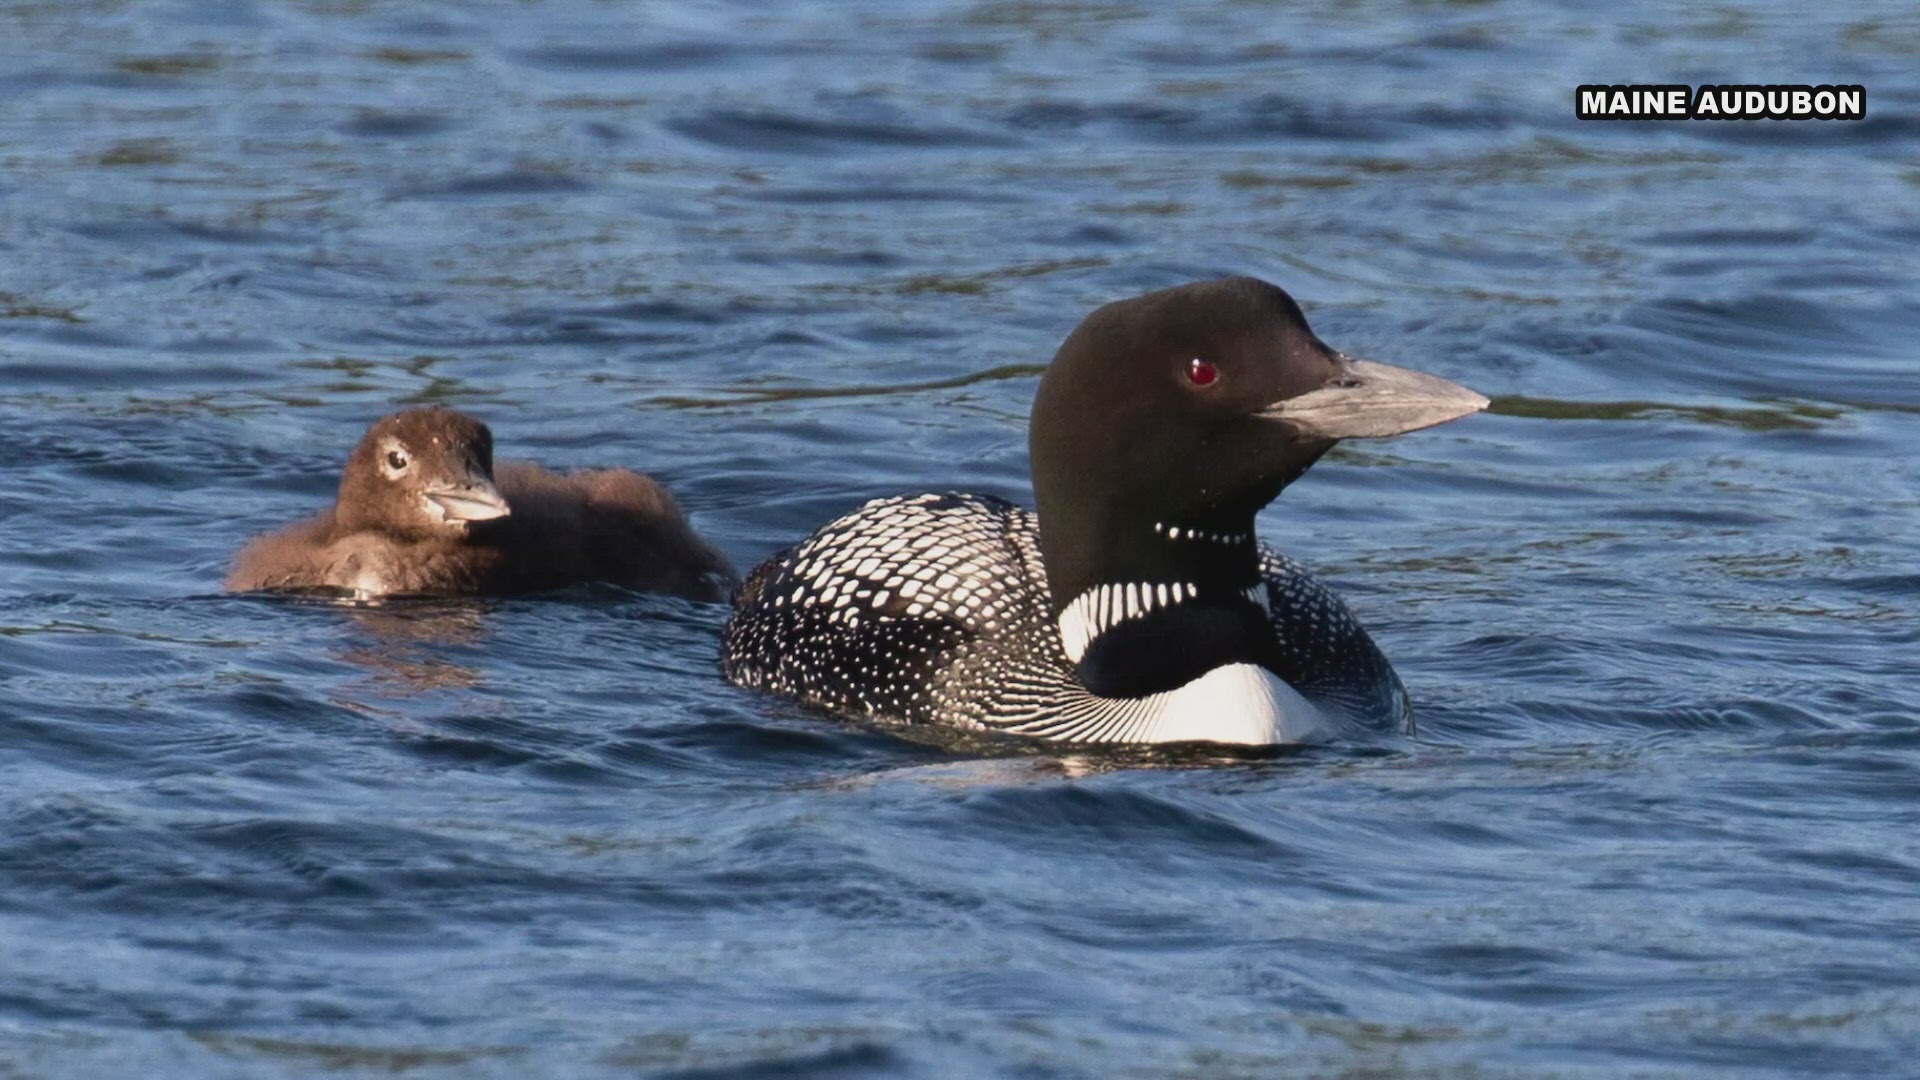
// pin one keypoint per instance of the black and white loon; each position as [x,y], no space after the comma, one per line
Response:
[1134,604]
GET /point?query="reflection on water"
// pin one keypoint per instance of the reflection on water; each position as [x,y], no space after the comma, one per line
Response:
[745,396]
[403,661]
[437,622]
[1784,414]
[334,1057]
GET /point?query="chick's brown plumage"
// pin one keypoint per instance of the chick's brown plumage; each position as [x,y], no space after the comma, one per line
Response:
[422,510]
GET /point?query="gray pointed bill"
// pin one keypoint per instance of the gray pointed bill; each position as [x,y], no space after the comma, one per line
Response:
[478,500]
[1370,401]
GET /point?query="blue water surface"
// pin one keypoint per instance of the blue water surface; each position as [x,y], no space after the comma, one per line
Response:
[1656,608]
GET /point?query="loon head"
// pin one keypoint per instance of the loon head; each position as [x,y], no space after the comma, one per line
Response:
[420,472]
[1164,423]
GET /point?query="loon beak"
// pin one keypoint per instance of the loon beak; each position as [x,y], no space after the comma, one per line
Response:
[1368,400]
[475,500]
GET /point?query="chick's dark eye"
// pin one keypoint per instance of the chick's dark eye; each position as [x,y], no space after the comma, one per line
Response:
[396,460]
[1201,372]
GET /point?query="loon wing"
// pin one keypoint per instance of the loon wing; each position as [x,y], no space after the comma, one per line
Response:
[865,616]
[1323,651]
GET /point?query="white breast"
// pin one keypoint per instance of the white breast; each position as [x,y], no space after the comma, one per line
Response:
[1234,703]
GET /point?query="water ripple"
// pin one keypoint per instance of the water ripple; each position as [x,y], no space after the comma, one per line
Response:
[1655,609]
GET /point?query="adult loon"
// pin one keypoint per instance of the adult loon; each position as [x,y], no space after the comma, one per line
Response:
[421,510]
[1134,604]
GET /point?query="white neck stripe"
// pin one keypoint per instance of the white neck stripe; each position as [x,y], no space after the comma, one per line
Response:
[1103,607]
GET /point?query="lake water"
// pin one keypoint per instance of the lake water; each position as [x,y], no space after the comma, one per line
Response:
[1656,608]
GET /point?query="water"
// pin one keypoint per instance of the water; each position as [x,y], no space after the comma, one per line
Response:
[1656,608]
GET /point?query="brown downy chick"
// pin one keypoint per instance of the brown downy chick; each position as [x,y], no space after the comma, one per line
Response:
[421,511]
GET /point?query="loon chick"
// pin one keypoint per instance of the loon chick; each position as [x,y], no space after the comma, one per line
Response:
[1134,604]
[422,511]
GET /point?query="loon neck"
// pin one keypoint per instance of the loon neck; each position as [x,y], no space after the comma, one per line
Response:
[1154,607]
[1182,560]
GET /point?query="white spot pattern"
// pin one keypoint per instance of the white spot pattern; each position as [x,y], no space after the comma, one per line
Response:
[1177,532]
[934,609]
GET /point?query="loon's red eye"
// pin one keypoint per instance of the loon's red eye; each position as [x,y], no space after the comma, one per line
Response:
[1202,372]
